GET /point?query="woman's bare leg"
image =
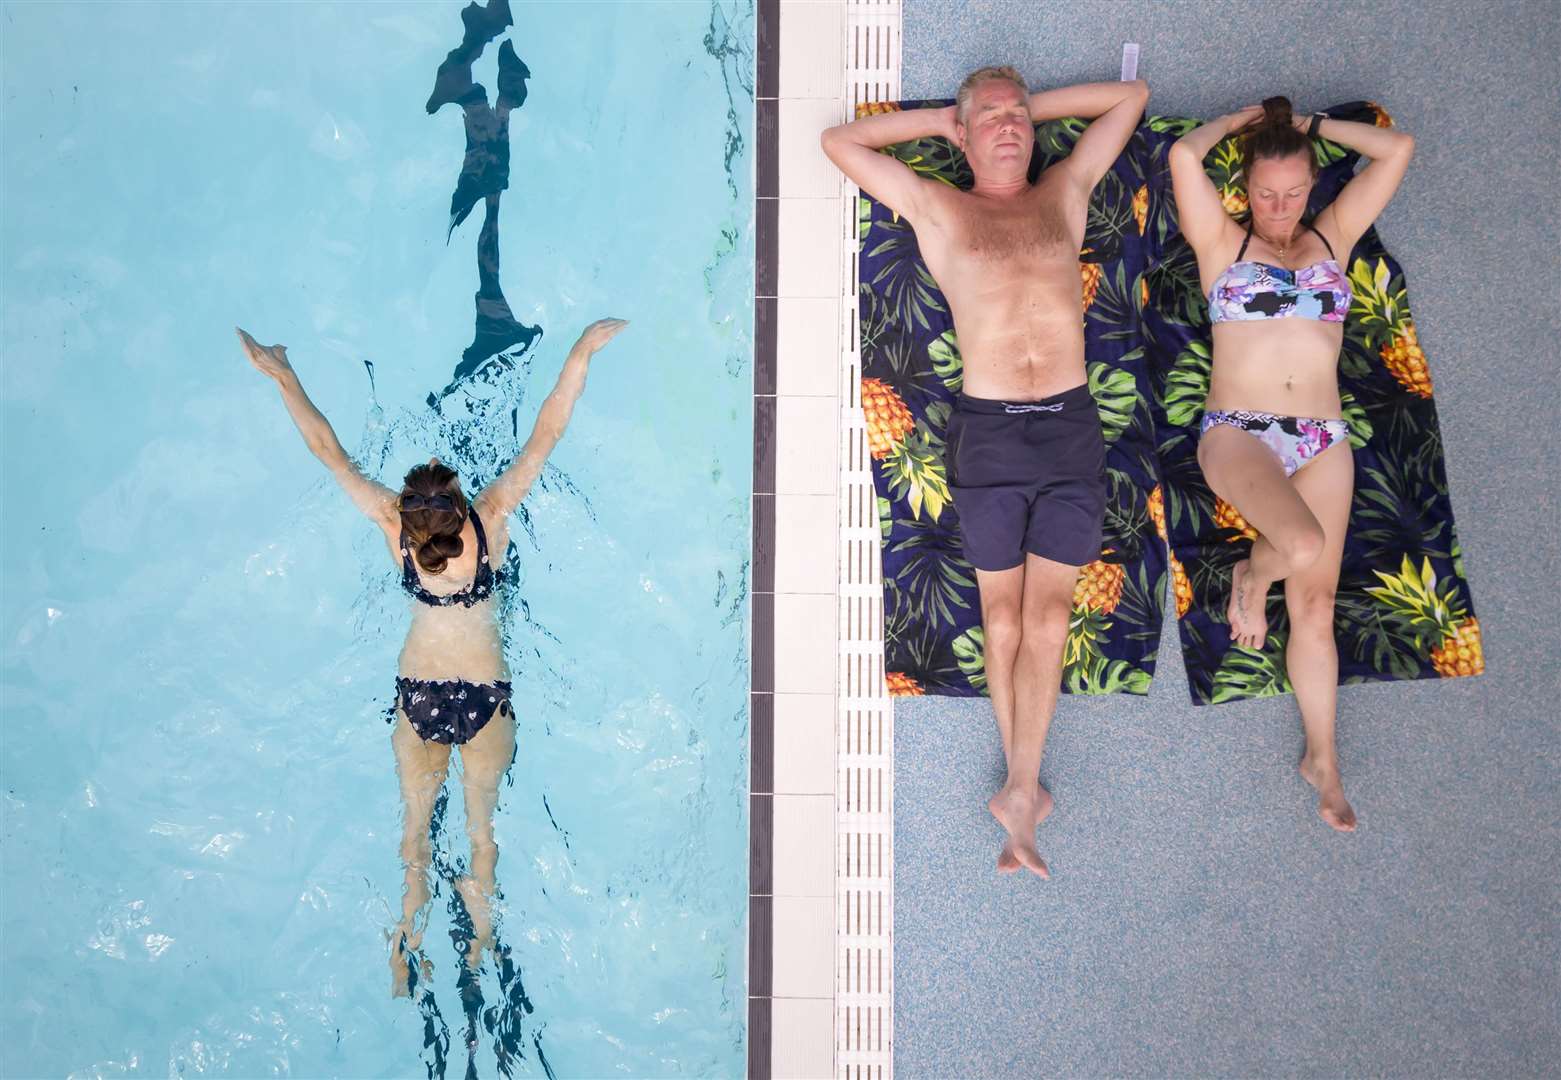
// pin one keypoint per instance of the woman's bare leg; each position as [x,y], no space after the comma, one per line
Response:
[421,768]
[484,760]
[1327,484]
[1246,474]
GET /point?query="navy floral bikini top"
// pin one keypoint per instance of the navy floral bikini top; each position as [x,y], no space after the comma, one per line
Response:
[483,582]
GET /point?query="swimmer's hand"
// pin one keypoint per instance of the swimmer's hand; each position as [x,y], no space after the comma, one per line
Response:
[599,333]
[268,359]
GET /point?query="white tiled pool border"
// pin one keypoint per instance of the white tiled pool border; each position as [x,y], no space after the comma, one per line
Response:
[864,870]
[821,859]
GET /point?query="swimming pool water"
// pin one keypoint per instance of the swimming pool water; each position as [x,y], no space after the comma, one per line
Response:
[201,814]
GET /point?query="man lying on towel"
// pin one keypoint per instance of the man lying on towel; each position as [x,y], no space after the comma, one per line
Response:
[1026,460]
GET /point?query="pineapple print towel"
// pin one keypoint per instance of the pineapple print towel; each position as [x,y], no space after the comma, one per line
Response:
[1403,607]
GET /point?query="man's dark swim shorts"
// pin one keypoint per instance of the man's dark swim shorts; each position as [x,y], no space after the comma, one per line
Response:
[1028,477]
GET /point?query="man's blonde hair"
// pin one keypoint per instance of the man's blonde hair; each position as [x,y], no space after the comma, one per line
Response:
[1003,73]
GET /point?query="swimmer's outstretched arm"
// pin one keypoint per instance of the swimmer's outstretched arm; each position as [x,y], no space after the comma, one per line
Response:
[375,500]
[505,493]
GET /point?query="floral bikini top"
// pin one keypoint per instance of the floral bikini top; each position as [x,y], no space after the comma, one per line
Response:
[1254,290]
[484,581]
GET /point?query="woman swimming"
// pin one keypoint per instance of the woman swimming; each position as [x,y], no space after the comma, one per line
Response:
[1274,443]
[453,685]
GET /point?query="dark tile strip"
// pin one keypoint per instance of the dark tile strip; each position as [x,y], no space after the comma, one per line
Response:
[759,1038]
[761,701]
[767,148]
[762,679]
[763,544]
[767,78]
[761,707]
[766,232]
[761,848]
[764,445]
[764,370]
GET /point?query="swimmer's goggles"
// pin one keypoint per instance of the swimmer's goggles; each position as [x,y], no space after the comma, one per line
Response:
[414,501]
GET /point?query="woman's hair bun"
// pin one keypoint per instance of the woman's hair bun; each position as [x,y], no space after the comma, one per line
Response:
[436,534]
[1274,135]
[1277,112]
[435,553]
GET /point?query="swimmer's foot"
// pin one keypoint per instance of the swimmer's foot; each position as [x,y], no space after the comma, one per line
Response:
[1018,812]
[481,913]
[404,944]
[1245,613]
[1332,806]
[1007,861]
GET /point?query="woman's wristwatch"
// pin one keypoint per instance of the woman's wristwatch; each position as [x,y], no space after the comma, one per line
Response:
[1317,119]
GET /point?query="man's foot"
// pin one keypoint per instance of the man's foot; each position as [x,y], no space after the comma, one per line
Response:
[1018,812]
[1331,803]
[1248,621]
[1007,861]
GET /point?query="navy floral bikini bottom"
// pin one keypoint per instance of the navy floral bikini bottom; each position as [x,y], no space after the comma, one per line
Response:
[449,710]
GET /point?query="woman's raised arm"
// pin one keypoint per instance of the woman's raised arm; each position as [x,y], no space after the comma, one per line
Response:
[375,500]
[1368,192]
[505,493]
[1201,215]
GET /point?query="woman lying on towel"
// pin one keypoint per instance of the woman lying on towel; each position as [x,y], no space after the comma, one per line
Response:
[1274,442]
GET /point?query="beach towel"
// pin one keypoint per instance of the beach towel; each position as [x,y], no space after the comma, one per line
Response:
[1403,607]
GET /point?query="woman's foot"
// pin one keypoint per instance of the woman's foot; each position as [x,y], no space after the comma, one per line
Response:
[1331,803]
[404,943]
[1007,861]
[481,914]
[1245,613]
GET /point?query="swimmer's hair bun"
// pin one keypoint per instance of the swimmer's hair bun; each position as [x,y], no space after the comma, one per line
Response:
[436,534]
[435,553]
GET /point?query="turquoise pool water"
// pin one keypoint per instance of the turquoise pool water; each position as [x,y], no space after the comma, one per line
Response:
[200,806]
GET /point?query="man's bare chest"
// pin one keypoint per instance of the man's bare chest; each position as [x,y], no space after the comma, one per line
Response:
[978,234]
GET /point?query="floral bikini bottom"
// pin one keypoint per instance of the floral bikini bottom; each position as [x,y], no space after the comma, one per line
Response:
[452,710]
[1295,440]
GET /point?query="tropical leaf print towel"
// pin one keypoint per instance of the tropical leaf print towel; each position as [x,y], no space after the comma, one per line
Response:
[1403,605]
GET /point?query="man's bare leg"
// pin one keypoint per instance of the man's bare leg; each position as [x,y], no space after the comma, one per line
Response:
[1002,600]
[1023,802]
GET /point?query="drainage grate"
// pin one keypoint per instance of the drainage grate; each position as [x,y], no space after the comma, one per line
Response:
[864,732]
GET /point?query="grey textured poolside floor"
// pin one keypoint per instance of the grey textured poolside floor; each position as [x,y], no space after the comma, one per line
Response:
[1201,919]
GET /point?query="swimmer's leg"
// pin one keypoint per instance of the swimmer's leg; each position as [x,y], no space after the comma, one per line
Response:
[421,768]
[485,757]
